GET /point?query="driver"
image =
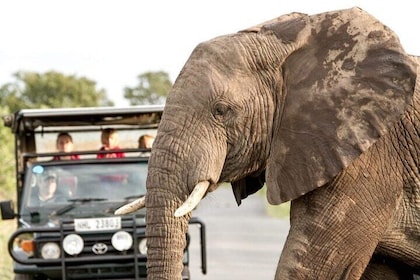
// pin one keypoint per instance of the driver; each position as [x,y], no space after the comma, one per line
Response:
[47,186]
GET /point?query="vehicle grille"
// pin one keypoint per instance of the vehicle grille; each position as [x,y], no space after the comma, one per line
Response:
[112,264]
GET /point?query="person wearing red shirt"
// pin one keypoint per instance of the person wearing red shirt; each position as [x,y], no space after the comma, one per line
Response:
[64,144]
[110,141]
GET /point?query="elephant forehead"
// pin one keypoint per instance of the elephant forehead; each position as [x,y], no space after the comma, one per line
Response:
[287,29]
[220,52]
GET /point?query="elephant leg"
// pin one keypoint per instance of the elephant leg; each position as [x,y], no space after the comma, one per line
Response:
[336,228]
[401,240]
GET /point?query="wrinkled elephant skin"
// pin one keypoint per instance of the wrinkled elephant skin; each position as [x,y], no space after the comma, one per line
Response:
[323,110]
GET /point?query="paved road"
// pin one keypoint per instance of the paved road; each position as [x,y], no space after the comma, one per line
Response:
[242,242]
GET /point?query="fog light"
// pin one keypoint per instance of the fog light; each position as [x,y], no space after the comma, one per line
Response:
[73,244]
[50,250]
[122,240]
[143,246]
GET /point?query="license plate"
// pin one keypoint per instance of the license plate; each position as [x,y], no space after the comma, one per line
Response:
[97,224]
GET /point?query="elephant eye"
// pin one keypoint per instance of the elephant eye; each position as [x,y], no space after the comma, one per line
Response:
[220,110]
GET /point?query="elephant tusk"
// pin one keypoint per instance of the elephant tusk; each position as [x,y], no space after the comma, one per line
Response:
[132,206]
[193,199]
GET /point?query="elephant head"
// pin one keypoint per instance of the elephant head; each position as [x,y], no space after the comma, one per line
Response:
[290,103]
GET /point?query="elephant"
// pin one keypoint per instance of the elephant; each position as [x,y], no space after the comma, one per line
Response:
[324,111]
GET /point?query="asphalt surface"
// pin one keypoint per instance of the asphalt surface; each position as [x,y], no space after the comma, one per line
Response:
[242,242]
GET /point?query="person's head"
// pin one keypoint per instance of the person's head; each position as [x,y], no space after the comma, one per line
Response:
[109,138]
[146,141]
[64,142]
[47,185]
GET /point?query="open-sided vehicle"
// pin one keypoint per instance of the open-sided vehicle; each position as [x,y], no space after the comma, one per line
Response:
[76,235]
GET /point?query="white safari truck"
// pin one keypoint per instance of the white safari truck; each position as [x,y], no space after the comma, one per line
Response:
[77,235]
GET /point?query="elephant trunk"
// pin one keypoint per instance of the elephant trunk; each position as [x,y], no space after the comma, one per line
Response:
[181,168]
[165,236]
[167,190]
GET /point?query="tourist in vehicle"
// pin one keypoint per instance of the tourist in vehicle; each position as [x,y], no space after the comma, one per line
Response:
[64,144]
[110,141]
[47,185]
[46,191]
[146,142]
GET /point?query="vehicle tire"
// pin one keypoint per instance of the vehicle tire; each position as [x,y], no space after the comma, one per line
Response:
[23,277]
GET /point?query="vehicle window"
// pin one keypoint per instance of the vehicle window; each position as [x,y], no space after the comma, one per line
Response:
[86,141]
[49,185]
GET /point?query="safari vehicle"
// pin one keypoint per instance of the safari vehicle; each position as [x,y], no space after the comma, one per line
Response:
[77,235]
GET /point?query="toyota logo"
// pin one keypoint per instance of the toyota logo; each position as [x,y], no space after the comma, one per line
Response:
[99,248]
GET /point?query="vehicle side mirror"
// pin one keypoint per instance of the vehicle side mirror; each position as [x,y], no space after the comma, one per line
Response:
[7,211]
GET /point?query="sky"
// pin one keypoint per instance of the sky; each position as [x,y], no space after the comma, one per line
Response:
[113,41]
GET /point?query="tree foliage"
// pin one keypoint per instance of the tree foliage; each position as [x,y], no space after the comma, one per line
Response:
[153,88]
[33,90]
[51,90]
[7,160]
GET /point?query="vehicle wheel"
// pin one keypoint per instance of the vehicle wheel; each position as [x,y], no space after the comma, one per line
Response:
[23,277]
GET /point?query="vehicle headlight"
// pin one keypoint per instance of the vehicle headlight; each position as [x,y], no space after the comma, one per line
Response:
[73,244]
[50,250]
[143,246]
[122,240]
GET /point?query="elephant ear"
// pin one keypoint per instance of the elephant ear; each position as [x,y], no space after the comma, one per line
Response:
[346,82]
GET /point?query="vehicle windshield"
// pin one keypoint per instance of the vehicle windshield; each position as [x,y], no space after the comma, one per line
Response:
[50,187]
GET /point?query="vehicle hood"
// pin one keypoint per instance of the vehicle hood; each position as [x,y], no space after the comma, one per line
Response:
[53,215]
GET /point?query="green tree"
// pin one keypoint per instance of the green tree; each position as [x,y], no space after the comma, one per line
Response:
[34,90]
[7,160]
[51,90]
[153,88]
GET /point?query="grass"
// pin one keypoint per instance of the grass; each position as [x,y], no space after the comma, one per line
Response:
[278,211]
[6,266]
[281,211]
[6,229]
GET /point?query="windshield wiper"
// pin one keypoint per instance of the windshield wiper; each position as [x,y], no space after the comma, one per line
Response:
[62,210]
[83,200]
[68,207]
